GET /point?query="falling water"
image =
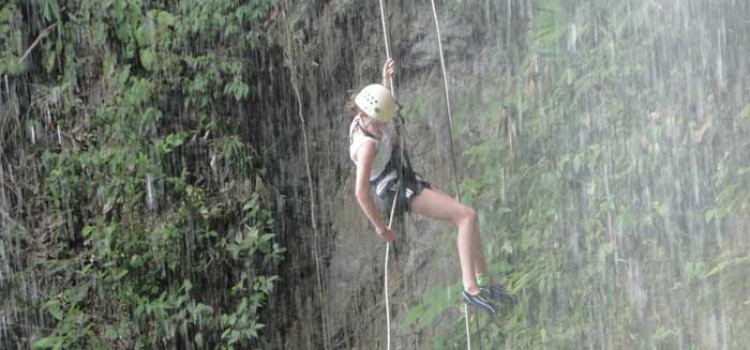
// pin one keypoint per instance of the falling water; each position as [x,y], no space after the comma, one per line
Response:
[603,144]
[150,193]
[32,133]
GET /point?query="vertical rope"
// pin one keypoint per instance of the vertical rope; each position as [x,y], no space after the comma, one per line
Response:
[385,291]
[447,101]
[479,334]
[468,331]
[387,42]
[289,56]
[453,156]
[385,30]
[385,286]
[395,197]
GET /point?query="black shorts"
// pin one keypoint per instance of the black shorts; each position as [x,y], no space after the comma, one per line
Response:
[412,186]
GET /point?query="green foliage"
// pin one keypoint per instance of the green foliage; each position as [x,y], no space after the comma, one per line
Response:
[10,40]
[436,302]
[608,208]
[148,218]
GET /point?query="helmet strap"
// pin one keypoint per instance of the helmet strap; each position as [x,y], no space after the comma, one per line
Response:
[367,123]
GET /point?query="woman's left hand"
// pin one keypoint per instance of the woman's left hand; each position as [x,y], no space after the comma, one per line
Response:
[386,233]
[388,69]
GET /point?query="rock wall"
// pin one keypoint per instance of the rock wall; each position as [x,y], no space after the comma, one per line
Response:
[338,47]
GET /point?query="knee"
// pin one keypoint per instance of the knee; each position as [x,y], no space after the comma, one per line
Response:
[465,215]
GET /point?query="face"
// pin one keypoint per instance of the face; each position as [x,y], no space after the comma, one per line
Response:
[367,120]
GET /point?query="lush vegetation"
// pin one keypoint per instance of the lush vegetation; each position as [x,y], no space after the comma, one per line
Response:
[611,177]
[603,144]
[133,218]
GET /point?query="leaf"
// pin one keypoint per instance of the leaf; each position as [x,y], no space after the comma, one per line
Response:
[199,340]
[661,333]
[87,231]
[234,336]
[166,19]
[507,247]
[54,308]
[267,237]
[710,214]
[722,265]
[187,285]
[745,113]
[48,343]
[147,58]
[124,75]
[237,89]
[49,60]
[144,33]
[414,314]
[569,76]
[110,333]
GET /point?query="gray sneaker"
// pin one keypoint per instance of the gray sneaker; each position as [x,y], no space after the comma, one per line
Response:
[480,300]
[497,293]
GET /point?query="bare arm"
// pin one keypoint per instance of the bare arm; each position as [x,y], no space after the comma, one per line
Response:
[365,156]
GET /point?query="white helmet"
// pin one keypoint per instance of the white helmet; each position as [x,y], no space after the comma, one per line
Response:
[377,102]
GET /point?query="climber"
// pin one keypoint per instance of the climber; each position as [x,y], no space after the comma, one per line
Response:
[374,149]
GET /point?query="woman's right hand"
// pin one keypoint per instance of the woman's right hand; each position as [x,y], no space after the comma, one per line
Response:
[386,233]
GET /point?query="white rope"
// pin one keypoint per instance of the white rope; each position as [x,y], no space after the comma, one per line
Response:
[385,30]
[453,154]
[385,283]
[395,197]
[468,332]
[479,334]
[385,289]
[447,101]
[453,157]
[386,41]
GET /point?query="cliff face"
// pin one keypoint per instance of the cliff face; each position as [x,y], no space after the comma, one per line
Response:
[335,49]
[579,129]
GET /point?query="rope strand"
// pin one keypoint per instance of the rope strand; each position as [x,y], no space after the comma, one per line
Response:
[385,287]
[395,197]
[387,42]
[453,158]
[447,102]
[468,331]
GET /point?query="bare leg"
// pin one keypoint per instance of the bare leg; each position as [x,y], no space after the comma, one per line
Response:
[438,205]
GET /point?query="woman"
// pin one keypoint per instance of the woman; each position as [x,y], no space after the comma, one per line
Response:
[374,150]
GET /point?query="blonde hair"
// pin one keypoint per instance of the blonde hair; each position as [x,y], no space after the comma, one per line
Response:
[350,107]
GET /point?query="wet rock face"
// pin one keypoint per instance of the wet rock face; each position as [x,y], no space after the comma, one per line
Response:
[341,49]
